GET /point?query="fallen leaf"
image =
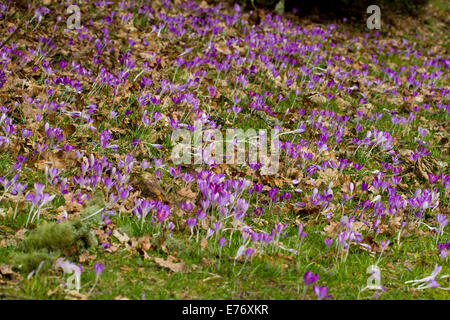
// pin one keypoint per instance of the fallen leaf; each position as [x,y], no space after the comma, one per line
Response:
[113,248]
[319,99]
[70,206]
[374,246]
[86,257]
[149,186]
[144,242]
[123,238]
[6,270]
[331,229]
[203,243]
[126,269]
[20,234]
[51,292]
[327,175]
[170,264]
[75,294]
[187,193]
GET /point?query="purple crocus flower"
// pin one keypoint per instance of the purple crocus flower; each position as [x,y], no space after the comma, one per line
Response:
[99,267]
[191,222]
[201,214]
[442,220]
[248,252]
[321,292]
[384,244]
[221,242]
[309,278]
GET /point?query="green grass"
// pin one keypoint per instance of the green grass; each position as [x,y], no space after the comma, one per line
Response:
[129,275]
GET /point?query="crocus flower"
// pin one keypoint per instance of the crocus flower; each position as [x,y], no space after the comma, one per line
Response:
[442,220]
[444,248]
[427,282]
[328,242]
[191,222]
[309,278]
[248,252]
[384,244]
[69,268]
[99,267]
[321,292]
[221,242]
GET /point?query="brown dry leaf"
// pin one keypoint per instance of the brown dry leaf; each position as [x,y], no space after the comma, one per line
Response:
[187,193]
[332,229]
[102,235]
[149,186]
[121,298]
[237,224]
[3,243]
[20,234]
[113,248]
[29,111]
[146,256]
[170,264]
[444,210]
[385,229]
[424,166]
[125,269]
[179,212]
[294,173]
[86,257]
[144,243]
[207,262]
[204,5]
[319,99]
[285,256]
[342,104]
[6,270]
[395,222]
[390,265]
[327,175]
[70,206]
[123,238]
[374,246]
[51,292]
[69,130]
[307,210]
[358,226]
[73,294]
[222,47]
[204,243]
[273,181]
[51,159]
[117,130]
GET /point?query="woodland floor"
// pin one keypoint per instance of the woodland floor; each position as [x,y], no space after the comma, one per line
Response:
[85,154]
